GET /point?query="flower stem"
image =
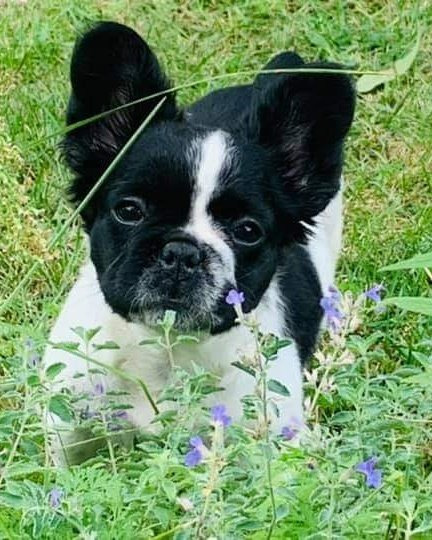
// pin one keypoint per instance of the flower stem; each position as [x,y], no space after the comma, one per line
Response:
[215,465]
[262,382]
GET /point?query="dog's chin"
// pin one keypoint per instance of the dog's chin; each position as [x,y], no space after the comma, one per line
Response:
[187,319]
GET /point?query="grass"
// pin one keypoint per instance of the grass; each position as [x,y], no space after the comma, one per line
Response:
[378,405]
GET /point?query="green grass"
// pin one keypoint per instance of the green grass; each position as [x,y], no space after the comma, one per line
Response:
[375,408]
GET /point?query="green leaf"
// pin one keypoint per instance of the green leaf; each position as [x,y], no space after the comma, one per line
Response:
[278,388]
[274,408]
[423,380]
[12,501]
[250,525]
[366,83]
[52,371]
[110,345]
[402,65]
[33,380]
[169,488]
[422,260]
[342,418]
[66,346]
[149,341]
[84,334]
[271,344]
[167,416]
[417,304]
[79,331]
[186,339]
[58,406]
[282,511]
[20,469]
[246,369]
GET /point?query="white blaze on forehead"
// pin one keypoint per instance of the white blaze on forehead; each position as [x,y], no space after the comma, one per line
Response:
[213,154]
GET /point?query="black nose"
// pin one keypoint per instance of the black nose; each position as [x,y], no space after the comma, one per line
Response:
[183,255]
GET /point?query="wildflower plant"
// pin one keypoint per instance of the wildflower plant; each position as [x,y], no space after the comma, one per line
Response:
[369,389]
[199,474]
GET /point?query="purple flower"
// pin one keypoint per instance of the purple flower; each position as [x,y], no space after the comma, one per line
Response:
[234,298]
[99,389]
[196,442]
[334,293]
[374,293]
[55,496]
[195,455]
[120,414]
[220,416]
[117,419]
[330,305]
[373,476]
[289,432]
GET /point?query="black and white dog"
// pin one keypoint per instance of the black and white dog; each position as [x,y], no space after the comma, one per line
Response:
[241,190]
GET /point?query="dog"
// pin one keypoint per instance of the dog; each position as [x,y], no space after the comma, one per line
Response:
[240,190]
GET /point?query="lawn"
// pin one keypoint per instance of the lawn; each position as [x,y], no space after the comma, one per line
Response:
[369,392]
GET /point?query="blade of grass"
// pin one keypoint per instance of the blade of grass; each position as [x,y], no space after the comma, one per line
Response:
[198,82]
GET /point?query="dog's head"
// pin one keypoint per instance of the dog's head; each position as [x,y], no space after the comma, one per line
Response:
[191,211]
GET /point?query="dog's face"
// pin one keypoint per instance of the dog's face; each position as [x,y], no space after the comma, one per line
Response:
[192,211]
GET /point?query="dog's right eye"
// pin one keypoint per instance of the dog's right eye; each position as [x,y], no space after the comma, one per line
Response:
[128,212]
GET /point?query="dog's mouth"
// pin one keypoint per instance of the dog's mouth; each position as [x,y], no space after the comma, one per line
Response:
[193,312]
[199,305]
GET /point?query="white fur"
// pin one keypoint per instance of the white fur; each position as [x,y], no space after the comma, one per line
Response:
[212,154]
[326,242]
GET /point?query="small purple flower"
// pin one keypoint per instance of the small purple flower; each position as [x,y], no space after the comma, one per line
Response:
[334,293]
[288,433]
[120,415]
[329,304]
[234,298]
[292,430]
[196,442]
[55,496]
[374,293]
[116,420]
[373,475]
[219,415]
[195,455]
[99,389]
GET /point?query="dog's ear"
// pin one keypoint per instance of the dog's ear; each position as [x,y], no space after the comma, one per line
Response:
[111,66]
[302,119]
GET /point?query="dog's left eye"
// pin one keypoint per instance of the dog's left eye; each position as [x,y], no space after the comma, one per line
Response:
[247,232]
[129,212]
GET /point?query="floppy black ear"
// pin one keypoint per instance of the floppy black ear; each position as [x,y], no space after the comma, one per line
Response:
[302,119]
[111,65]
